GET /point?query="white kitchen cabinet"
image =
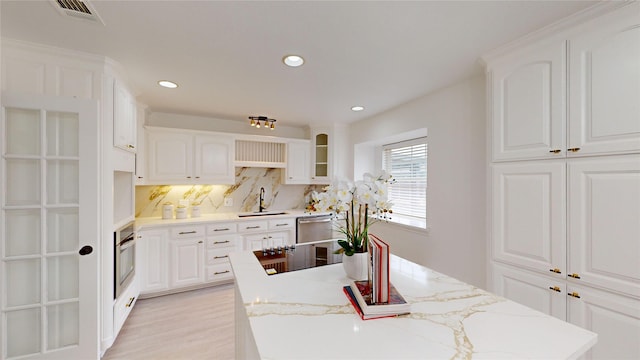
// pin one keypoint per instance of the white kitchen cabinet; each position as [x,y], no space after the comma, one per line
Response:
[141,152]
[604,84]
[152,260]
[615,318]
[221,241]
[187,262]
[124,304]
[186,255]
[178,157]
[321,153]
[542,293]
[529,206]
[604,222]
[298,170]
[528,103]
[124,118]
[599,63]
[267,234]
[573,222]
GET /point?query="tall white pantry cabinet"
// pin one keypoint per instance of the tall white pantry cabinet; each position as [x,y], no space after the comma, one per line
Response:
[564,117]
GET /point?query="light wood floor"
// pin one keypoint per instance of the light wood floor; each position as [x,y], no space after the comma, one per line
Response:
[197,324]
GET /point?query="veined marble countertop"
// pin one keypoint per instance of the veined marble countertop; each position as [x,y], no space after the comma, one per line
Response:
[304,314]
[143,222]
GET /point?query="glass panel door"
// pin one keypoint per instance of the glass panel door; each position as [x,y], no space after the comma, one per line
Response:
[48,214]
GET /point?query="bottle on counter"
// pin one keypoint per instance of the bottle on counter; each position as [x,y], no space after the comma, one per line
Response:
[167,211]
[195,210]
[181,212]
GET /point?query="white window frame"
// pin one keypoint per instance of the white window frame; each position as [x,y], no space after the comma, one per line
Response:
[414,220]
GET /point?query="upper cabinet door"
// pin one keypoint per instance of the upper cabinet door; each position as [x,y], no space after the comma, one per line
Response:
[529,215]
[214,156]
[124,118]
[170,157]
[604,85]
[297,170]
[528,104]
[604,222]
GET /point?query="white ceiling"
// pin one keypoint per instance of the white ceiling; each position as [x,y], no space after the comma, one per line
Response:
[226,56]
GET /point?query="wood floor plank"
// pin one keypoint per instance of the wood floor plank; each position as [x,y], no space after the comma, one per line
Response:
[196,324]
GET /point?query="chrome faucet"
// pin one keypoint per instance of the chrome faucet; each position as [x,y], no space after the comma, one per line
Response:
[261,206]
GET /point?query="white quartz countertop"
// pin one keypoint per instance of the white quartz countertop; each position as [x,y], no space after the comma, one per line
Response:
[304,314]
[144,222]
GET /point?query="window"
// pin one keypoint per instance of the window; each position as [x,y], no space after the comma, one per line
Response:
[406,161]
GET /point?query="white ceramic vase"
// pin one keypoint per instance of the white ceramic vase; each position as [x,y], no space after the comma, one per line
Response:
[356,265]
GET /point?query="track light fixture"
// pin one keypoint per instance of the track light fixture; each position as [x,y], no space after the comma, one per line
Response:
[266,122]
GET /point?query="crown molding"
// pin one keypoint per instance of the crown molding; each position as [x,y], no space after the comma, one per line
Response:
[556,29]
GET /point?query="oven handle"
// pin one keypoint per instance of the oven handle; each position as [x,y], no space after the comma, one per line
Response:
[313,221]
[127,243]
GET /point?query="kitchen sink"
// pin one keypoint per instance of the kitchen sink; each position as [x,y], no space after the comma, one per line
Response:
[264,213]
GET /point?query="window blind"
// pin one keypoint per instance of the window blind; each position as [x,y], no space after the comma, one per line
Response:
[407,162]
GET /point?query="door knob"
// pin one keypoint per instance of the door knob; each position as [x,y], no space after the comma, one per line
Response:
[86,250]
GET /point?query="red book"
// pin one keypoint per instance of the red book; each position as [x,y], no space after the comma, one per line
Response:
[380,270]
[396,305]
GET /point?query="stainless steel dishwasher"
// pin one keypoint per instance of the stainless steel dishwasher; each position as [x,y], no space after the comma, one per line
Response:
[315,242]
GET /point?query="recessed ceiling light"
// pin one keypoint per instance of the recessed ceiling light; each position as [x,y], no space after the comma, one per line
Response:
[293,60]
[357,108]
[167,84]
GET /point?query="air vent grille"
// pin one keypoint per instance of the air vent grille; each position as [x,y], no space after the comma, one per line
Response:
[80,9]
[74,5]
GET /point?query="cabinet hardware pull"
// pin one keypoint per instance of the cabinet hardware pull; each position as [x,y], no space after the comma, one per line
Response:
[221,257]
[221,242]
[220,272]
[574,275]
[140,177]
[188,177]
[197,177]
[253,227]
[285,224]
[555,288]
[200,242]
[130,302]
[576,149]
[555,151]
[574,294]
[556,270]
[186,232]
[131,146]
[223,229]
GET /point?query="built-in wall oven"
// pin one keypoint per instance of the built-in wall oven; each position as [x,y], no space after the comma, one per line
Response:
[125,257]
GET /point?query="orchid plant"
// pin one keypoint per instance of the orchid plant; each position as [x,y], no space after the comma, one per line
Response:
[362,203]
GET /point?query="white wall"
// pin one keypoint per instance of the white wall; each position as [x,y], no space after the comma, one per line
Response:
[455,120]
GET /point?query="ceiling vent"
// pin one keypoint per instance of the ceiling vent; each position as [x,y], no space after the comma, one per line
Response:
[78,9]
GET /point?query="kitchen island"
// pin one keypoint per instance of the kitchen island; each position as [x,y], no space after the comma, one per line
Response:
[305,314]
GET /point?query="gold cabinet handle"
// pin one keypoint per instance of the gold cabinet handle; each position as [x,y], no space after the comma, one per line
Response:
[555,270]
[221,242]
[130,302]
[220,272]
[574,275]
[555,288]
[555,151]
[574,294]
[575,149]
[221,257]
[131,146]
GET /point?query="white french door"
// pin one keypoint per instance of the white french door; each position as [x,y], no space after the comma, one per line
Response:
[49,226]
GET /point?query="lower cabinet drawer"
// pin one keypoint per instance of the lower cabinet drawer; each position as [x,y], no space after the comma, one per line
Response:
[124,304]
[219,272]
[218,256]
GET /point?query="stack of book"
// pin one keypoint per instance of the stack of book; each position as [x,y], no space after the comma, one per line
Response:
[359,294]
[377,297]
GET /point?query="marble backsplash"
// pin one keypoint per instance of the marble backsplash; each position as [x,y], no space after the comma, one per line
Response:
[244,194]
